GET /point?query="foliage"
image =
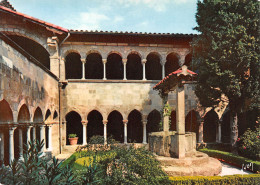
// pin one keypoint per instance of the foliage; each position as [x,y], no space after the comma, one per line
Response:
[72,135]
[120,165]
[232,158]
[229,179]
[250,144]
[35,169]
[226,56]
[97,139]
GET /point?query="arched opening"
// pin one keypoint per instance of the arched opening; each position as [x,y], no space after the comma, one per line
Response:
[172,63]
[134,67]
[188,60]
[74,126]
[6,115]
[33,48]
[95,125]
[115,127]
[153,67]
[37,119]
[134,127]
[173,121]
[225,128]
[94,66]
[73,66]
[210,127]
[23,117]
[153,122]
[114,67]
[191,123]
[55,115]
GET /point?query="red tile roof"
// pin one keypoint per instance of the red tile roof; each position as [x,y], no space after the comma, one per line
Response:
[46,24]
[7,4]
[174,74]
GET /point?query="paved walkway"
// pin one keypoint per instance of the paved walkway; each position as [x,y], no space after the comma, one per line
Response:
[63,156]
[232,170]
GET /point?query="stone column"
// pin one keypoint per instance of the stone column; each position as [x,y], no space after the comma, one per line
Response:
[28,134]
[218,139]
[104,64]
[34,133]
[83,69]
[163,70]
[124,63]
[105,131]
[42,136]
[143,62]
[144,132]
[20,144]
[180,121]
[50,138]
[11,144]
[62,70]
[201,131]
[125,131]
[2,146]
[84,124]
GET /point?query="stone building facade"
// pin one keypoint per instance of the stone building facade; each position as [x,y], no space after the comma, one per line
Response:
[54,82]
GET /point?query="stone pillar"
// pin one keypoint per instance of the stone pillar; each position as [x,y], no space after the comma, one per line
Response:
[34,133]
[28,134]
[166,123]
[42,136]
[218,139]
[201,131]
[163,70]
[83,69]
[2,146]
[20,144]
[105,131]
[125,131]
[62,70]
[11,144]
[104,63]
[124,63]
[180,113]
[84,124]
[143,62]
[50,138]
[144,132]
[54,65]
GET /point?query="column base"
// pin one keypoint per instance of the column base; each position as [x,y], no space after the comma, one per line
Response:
[144,142]
[144,79]
[104,79]
[49,149]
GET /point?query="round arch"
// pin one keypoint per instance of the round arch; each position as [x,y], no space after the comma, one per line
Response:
[153,67]
[135,53]
[114,67]
[172,63]
[115,127]
[74,126]
[95,124]
[153,121]
[188,60]
[135,127]
[73,66]
[94,66]
[134,67]
[210,126]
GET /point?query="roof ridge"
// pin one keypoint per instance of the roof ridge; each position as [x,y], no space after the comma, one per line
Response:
[7,4]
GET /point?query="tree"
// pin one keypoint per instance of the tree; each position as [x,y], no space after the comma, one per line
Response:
[226,56]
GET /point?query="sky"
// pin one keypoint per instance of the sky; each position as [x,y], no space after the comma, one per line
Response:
[155,16]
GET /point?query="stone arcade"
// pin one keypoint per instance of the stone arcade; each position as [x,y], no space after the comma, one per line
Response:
[55,81]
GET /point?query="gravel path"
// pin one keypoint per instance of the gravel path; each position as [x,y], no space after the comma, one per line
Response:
[232,170]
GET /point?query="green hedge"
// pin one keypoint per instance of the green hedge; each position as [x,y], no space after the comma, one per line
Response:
[232,158]
[229,179]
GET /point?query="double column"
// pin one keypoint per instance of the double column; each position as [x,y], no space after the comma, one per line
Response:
[84,124]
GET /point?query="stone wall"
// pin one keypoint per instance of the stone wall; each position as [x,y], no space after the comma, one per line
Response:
[23,82]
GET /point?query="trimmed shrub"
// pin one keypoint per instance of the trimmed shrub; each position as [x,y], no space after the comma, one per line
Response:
[230,179]
[97,139]
[249,144]
[232,158]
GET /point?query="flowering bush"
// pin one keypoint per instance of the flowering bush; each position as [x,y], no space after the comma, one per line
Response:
[250,144]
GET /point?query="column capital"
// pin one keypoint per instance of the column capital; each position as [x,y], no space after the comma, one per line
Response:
[163,62]
[144,123]
[144,61]
[83,60]
[125,121]
[104,60]
[84,122]
[105,122]
[124,60]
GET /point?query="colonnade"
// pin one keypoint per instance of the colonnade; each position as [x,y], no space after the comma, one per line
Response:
[125,122]
[10,128]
